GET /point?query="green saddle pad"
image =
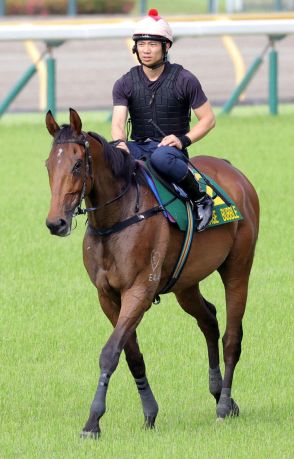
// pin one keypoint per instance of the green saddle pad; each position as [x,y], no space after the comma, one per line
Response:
[221,214]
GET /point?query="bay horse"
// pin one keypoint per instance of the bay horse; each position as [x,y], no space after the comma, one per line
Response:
[129,265]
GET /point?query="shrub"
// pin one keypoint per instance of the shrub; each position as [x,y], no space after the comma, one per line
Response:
[46,7]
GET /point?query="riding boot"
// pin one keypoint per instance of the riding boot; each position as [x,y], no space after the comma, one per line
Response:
[203,203]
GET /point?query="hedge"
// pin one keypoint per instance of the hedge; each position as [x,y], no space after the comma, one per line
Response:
[46,7]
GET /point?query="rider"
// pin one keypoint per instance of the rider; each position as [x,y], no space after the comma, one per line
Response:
[159,97]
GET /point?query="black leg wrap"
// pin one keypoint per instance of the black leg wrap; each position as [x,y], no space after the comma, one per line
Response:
[150,407]
[215,382]
[226,405]
[98,408]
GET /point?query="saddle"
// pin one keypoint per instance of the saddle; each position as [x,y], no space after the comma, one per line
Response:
[174,199]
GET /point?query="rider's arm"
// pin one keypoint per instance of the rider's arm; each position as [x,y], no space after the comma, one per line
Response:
[118,125]
[206,121]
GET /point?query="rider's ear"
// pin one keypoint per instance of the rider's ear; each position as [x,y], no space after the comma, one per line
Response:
[51,124]
[75,121]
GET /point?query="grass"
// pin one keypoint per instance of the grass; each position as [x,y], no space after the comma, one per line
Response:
[184,7]
[52,328]
[202,6]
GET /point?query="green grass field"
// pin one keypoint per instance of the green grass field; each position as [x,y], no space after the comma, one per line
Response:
[52,329]
[184,7]
[202,6]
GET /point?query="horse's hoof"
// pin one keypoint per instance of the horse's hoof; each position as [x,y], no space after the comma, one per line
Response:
[91,434]
[227,407]
[220,420]
[235,409]
[149,422]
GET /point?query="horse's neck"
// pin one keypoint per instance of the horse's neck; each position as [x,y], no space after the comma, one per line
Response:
[105,188]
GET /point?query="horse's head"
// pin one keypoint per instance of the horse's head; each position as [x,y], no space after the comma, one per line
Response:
[68,168]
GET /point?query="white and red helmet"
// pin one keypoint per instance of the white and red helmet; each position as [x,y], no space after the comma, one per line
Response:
[153,27]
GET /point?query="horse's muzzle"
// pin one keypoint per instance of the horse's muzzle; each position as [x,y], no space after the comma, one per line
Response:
[58,227]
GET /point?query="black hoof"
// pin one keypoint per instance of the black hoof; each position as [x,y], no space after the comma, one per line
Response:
[234,409]
[91,434]
[149,422]
[227,407]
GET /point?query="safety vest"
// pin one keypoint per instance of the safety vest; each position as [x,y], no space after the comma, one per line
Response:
[169,112]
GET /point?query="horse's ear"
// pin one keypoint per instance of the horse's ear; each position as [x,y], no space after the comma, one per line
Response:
[51,124]
[75,121]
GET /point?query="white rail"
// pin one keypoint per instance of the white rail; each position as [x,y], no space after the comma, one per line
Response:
[51,32]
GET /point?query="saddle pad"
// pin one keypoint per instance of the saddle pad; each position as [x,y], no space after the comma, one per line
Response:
[221,214]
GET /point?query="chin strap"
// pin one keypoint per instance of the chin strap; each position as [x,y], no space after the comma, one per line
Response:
[155,66]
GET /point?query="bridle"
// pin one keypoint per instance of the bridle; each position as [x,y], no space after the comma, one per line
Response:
[82,140]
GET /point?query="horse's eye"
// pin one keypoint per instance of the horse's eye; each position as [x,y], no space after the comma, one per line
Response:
[77,167]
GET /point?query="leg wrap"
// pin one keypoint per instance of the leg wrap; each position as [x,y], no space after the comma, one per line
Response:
[149,403]
[98,406]
[215,381]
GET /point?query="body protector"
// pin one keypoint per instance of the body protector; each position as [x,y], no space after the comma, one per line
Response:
[160,105]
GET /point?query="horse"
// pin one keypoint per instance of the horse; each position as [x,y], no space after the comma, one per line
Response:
[130,259]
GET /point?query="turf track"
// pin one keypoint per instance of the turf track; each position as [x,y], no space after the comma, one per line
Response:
[52,329]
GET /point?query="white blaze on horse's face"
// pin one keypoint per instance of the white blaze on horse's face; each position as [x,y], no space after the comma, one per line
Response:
[59,154]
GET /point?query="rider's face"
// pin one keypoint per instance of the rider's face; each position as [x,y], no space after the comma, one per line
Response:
[149,52]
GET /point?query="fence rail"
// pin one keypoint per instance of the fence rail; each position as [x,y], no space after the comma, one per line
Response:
[124,28]
[54,33]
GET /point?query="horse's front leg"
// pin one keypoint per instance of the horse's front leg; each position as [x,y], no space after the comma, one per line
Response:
[136,365]
[134,303]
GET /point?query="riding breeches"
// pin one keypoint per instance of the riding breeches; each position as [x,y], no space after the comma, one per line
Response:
[168,161]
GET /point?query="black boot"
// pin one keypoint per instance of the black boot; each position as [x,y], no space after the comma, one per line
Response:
[203,203]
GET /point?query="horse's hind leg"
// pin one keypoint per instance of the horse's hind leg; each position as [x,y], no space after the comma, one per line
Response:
[235,275]
[204,312]
[137,367]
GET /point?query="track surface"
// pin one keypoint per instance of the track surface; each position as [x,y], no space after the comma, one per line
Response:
[86,71]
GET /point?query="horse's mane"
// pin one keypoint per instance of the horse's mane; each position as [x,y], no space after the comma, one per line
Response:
[121,163]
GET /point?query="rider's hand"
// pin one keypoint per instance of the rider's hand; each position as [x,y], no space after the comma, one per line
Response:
[123,146]
[171,141]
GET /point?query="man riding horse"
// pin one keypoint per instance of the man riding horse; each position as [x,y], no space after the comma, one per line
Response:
[159,97]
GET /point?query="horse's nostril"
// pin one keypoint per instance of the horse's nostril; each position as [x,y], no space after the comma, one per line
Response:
[56,226]
[62,222]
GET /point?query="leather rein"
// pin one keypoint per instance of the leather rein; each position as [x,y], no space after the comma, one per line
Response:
[82,140]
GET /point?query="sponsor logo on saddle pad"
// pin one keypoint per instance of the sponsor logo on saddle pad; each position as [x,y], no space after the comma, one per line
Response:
[223,212]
